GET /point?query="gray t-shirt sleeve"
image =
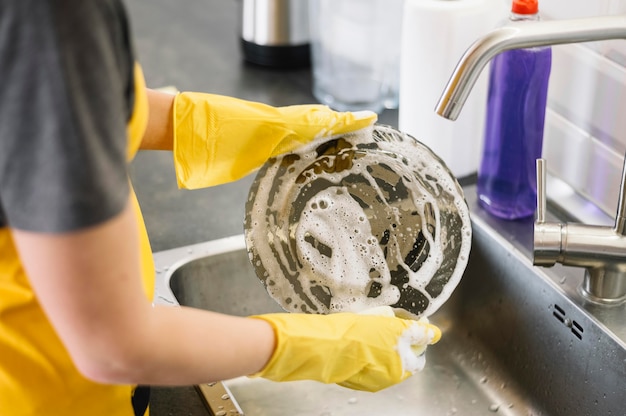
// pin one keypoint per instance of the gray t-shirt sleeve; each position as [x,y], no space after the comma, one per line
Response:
[67,89]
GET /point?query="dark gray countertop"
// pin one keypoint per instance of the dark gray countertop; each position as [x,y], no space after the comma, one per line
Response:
[194,45]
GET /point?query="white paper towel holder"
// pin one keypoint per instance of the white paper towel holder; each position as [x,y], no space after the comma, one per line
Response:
[435,34]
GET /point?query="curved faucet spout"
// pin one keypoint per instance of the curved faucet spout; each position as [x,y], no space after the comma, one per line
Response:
[517,36]
[600,250]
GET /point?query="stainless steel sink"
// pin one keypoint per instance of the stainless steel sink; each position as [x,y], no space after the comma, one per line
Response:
[518,339]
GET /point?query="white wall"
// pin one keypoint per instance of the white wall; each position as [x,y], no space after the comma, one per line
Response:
[585,136]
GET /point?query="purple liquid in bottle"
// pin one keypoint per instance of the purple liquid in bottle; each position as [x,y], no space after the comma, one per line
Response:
[514,132]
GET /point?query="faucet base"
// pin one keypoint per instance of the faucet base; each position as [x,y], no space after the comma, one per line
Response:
[604,287]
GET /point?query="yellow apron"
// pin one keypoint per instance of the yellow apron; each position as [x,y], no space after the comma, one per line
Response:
[37,376]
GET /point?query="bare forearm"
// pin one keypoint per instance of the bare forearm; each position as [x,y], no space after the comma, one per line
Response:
[159,134]
[89,284]
[181,346]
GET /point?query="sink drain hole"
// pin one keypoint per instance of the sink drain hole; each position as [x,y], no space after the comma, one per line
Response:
[575,327]
[559,313]
[577,330]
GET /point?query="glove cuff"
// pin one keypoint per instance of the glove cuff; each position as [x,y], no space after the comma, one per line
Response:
[219,139]
[277,348]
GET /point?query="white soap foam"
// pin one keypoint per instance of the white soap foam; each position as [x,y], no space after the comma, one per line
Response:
[337,221]
[412,345]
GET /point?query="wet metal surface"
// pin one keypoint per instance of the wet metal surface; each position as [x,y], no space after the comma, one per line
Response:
[516,338]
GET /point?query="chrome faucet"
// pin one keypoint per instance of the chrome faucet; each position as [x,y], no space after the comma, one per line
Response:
[600,250]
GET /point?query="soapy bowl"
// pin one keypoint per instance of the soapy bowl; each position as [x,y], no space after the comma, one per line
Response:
[367,219]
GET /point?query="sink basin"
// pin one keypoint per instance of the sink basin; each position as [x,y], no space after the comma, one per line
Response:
[517,339]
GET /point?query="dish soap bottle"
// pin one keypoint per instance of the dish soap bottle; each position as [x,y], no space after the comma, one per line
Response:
[516,108]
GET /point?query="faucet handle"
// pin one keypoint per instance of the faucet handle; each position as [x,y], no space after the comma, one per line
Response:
[547,235]
[541,191]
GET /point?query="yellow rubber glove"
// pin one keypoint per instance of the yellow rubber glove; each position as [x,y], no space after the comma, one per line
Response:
[218,139]
[361,352]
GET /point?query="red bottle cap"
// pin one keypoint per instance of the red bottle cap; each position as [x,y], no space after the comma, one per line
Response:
[525,6]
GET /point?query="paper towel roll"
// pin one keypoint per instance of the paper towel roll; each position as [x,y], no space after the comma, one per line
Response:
[435,34]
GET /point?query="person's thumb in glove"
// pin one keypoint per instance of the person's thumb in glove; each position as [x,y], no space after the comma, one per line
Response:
[218,139]
[361,352]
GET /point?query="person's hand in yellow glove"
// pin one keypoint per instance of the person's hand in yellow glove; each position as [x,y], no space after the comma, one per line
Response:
[358,351]
[218,139]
